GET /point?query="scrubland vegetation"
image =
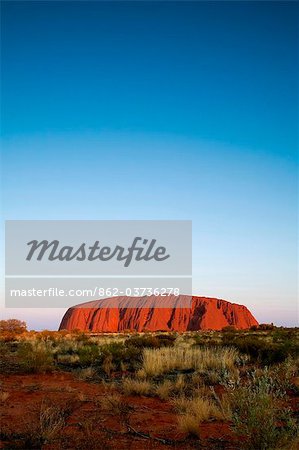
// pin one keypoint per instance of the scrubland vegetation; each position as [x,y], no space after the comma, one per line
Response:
[242,384]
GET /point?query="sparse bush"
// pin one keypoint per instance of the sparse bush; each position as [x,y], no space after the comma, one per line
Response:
[12,326]
[229,329]
[266,326]
[88,355]
[45,423]
[115,404]
[259,418]
[262,351]
[108,365]
[35,357]
[116,356]
[87,374]
[143,342]
[68,360]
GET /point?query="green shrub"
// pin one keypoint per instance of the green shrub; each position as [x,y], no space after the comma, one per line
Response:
[35,357]
[266,326]
[120,355]
[261,421]
[262,351]
[89,355]
[229,329]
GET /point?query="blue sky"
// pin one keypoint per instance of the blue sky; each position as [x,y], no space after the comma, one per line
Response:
[161,111]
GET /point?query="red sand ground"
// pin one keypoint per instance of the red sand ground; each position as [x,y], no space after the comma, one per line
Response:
[149,415]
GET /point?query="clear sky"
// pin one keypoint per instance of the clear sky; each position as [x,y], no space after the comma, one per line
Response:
[161,110]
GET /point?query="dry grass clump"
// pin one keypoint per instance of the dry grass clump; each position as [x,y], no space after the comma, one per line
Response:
[164,389]
[46,423]
[193,411]
[106,340]
[169,388]
[165,359]
[188,423]
[3,396]
[114,404]
[203,408]
[140,374]
[136,387]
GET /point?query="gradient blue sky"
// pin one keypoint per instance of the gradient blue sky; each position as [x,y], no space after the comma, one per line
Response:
[161,110]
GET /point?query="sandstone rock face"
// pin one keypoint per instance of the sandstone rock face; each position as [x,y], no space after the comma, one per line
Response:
[205,314]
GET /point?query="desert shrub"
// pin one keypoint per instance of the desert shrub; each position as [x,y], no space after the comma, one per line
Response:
[229,329]
[211,377]
[166,340]
[48,335]
[228,377]
[45,423]
[118,355]
[143,342]
[261,420]
[198,339]
[12,326]
[266,326]
[35,357]
[107,364]
[262,351]
[67,347]
[288,369]
[9,361]
[265,381]
[88,355]
[282,334]
[80,336]
[277,353]
[149,341]
[114,404]
[87,374]
[68,360]
[11,330]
